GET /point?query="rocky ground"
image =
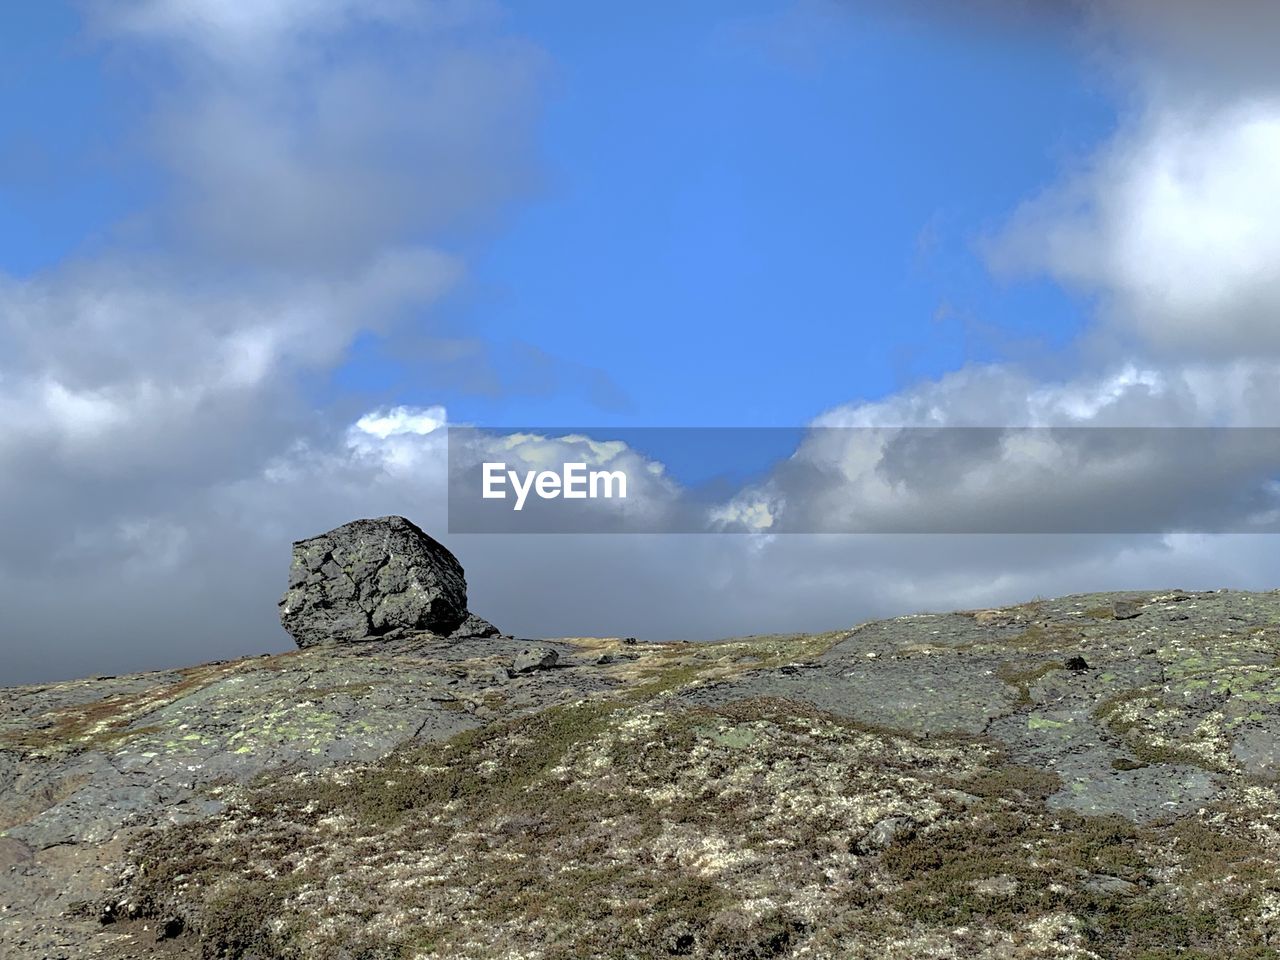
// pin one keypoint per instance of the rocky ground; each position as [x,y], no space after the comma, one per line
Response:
[1093,776]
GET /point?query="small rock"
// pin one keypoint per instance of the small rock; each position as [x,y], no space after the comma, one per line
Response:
[14,852]
[169,928]
[1256,749]
[1126,764]
[1076,663]
[473,628]
[535,658]
[987,618]
[1002,885]
[1115,886]
[605,659]
[1125,609]
[887,832]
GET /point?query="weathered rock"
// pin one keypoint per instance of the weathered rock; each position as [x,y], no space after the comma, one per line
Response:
[939,750]
[535,658]
[474,627]
[1256,749]
[1126,609]
[13,852]
[886,833]
[1107,884]
[369,578]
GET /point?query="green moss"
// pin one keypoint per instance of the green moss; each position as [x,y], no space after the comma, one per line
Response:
[1022,676]
[1139,731]
[1046,638]
[634,827]
[238,923]
[1011,781]
[1043,861]
[426,777]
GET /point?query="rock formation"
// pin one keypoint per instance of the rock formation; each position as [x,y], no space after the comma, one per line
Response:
[1049,779]
[375,579]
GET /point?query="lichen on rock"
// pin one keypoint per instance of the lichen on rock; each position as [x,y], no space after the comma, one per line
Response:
[939,785]
[371,579]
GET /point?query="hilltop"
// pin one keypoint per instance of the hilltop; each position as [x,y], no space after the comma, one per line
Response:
[1091,776]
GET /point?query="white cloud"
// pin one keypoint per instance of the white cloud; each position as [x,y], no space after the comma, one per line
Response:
[1174,224]
[1177,225]
[114,369]
[162,398]
[870,466]
[401,420]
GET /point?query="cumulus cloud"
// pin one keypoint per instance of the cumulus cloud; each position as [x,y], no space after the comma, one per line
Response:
[1175,223]
[308,158]
[198,577]
[308,134]
[990,450]
[123,392]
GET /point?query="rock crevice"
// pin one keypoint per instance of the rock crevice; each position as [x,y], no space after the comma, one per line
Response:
[375,579]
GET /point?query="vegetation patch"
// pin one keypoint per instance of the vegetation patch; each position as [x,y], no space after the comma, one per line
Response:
[1022,676]
[633,828]
[108,721]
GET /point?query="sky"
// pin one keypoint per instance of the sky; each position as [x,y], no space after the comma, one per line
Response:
[254,257]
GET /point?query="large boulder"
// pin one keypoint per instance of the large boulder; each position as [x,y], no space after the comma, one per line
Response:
[371,579]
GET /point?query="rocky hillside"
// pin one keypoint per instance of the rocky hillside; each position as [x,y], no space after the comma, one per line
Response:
[1094,776]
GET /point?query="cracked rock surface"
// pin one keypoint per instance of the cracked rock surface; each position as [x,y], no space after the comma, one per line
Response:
[372,578]
[940,785]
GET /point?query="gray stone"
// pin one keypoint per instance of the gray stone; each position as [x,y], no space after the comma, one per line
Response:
[371,578]
[535,658]
[1111,886]
[1125,609]
[886,832]
[13,852]
[1255,747]
[474,627]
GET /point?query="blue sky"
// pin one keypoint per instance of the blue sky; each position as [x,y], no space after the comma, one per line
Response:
[739,238]
[253,255]
[744,214]
[54,192]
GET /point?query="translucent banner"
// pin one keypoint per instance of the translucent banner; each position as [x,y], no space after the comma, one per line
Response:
[864,480]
